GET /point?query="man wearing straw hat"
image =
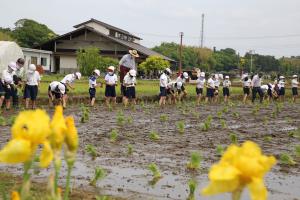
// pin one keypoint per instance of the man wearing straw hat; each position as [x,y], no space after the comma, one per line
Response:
[127,63]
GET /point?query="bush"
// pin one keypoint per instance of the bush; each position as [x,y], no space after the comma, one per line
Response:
[154,63]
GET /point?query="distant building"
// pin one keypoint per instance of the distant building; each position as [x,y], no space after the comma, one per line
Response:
[37,57]
[112,42]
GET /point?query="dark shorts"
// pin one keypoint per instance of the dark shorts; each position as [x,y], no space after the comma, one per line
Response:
[2,90]
[31,92]
[210,92]
[163,92]
[130,92]
[269,92]
[110,91]
[57,95]
[246,90]
[92,92]
[295,91]
[226,92]
[123,90]
[9,92]
[282,91]
[199,91]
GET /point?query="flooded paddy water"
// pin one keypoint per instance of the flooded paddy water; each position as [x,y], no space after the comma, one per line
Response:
[128,176]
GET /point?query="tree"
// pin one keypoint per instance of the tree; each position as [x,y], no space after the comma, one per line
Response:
[154,63]
[5,37]
[30,33]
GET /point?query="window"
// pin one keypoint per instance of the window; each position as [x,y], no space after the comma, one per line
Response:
[44,61]
[34,60]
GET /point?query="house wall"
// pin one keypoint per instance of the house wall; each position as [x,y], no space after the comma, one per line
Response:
[98,27]
[34,56]
[68,64]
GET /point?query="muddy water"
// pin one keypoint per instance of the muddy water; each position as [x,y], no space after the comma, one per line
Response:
[127,175]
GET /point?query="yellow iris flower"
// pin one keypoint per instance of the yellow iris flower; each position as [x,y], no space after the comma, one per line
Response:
[15,196]
[58,129]
[240,166]
[71,135]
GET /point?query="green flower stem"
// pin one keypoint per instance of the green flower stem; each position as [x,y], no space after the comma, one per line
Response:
[70,166]
[57,169]
[237,194]
[26,178]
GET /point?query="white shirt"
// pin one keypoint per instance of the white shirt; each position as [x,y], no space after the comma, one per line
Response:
[281,84]
[128,61]
[33,78]
[111,79]
[200,82]
[163,80]
[70,78]
[6,74]
[264,88]
[179,79]
[211,83]
[256,81]
[53,86]
[129,81]
[92,81]
[247,83]
[226,83]
[217,82]
[295,83]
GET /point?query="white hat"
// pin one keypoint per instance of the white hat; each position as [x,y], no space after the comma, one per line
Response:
[216,76]
[8,79]
[295,76]
[220,76]
[185,75]
[13,66]
[132,72]
[61,88]
[97,72]
[134,53]
[168,70]
[202,74]
[78,74]
[179,85]
[227,77]
[31,68]
[112,68]
[281,77]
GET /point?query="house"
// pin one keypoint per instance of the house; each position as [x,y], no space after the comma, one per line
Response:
[112,42]
[37,57]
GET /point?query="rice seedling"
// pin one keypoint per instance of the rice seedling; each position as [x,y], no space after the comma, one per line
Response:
[220,114]
[236,114]
[99,174]
[286,159]
[120,118]
[110,109]
[294,133]
[207,123]
[155,171]
[297,151]
[92,151]
[113,135]
[163,117]
[255,110]
[192,187]
[267,138]
[195,161]
[225,109]
[130,149]
[265,120]
[129,120]
[180,127]
[85,113]
[196,114]
[233,138]
[11,119]
[154,136]
[223,123]
[220,150]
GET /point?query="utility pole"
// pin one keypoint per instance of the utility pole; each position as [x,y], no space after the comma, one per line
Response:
[251,60]
[180,53]
[202,31]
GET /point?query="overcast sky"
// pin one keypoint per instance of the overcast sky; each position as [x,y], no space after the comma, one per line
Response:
[266,26]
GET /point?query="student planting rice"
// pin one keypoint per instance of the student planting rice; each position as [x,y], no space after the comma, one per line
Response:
[111,81]
[200,86]
[246,86]
[67,81]
[210,89]
[171,92]
[226,86]
[295,84]
[217,82]
[33,79]
[56,90]
[281,85]
[129,84]
[256,87]
[8,83]
[163,85]
[92,86]
[181,80]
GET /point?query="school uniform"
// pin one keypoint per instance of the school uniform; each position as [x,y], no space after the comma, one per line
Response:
[210,88]
[110,90]
[53,88]
[246,86]
[129,83]
[281,85]
[217,85]
[256,85]
[226,85]
[163,84]
[295,84]
[200,85]
[182,88]
[31,87]
[92,84]
[70,78]
[9,88]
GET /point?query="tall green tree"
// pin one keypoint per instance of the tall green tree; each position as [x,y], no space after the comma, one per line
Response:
[30,33]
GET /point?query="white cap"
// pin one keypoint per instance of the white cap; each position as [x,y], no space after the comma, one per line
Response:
[185,75]
[132,72]
[8,79]
[295,76]
[202,74]
[169,70]
[97,72]
[179,85]
[112,68]
[62,88]
[13,66]
[227,77]
[78,74]
[216,76]
[220,76]
[281,77]
[31,68]
[244,76]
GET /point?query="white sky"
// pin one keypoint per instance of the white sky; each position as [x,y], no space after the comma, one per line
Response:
[266,26]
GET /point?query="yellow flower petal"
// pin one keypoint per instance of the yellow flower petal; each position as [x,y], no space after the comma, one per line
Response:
[32,126]
[258,190]
[230,154]
[16,151]
[15,196]
[46,155]
[58,128]
[250,149]
[71,134]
